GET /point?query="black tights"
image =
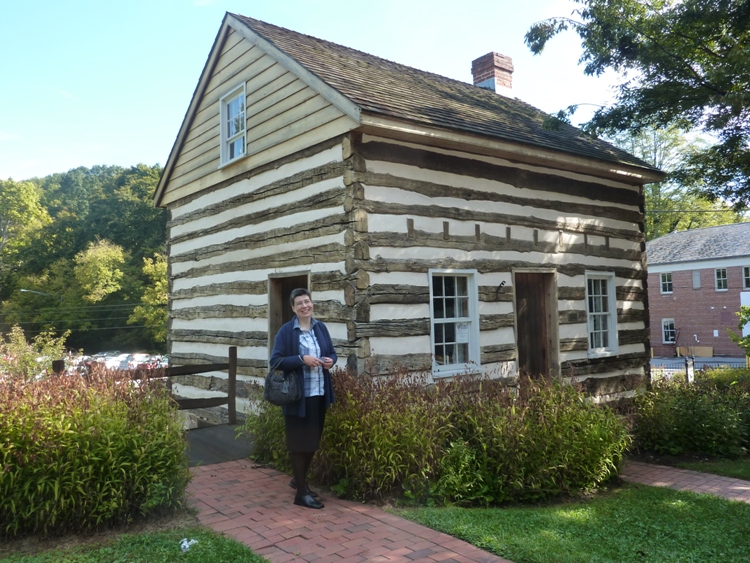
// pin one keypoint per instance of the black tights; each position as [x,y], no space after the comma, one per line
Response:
[300,465]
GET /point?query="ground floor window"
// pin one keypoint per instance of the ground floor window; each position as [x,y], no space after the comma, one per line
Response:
[746,277]
[601,313]
[668,333]
[454,320]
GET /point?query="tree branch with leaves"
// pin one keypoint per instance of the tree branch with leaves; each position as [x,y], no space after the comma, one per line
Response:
[684,64]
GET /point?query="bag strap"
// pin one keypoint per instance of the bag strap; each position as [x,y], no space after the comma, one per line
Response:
[272,367]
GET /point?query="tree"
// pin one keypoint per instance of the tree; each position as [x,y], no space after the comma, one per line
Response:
[21,215]
[85,206]
[670,205]
[153,311]
[97,270]
[685,63]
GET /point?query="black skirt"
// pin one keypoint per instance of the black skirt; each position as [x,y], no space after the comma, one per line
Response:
[303,433]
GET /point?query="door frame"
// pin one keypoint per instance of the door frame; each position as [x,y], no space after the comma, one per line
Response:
[552,314]
[279,309]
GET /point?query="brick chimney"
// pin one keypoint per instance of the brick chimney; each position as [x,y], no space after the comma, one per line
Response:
[494,72]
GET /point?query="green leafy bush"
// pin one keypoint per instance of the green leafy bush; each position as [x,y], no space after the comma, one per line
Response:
[77,454]
[25,360]
[547,440]
[470,441]
[382,435]
[707,417]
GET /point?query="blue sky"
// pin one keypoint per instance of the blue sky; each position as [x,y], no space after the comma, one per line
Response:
[87,82]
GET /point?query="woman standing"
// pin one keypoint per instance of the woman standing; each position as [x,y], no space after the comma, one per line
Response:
[303,348]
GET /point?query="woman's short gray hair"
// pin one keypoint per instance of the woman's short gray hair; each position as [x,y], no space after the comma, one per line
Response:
[297,292]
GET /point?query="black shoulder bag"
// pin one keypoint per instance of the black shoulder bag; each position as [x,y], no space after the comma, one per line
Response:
[281,388]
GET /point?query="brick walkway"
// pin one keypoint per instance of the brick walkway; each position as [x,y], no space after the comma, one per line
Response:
[254,505]
[686,480]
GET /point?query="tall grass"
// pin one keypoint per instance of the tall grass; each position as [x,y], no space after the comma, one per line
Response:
[79,453]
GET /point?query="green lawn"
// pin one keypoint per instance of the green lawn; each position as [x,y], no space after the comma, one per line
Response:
[154,547]
[737,468]
[632,523]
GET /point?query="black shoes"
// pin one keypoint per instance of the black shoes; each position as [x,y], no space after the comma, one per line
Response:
[293,485]
[307,501]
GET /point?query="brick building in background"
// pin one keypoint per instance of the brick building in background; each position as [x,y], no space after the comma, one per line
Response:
[697,281]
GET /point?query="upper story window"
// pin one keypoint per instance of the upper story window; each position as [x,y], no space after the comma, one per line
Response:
[721,279]
[696,279]
[601,313]
[668,332]
[233,125]
[454,321]
[666,282]
[746,277]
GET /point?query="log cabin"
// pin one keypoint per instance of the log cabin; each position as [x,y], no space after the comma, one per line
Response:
[441,226]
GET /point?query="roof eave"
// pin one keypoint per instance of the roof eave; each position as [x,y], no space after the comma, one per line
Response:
[417,132]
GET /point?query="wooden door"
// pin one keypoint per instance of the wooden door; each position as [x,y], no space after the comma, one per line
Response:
[536,328]
[279,308]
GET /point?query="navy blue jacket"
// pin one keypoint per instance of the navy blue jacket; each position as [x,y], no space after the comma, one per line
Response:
[286,351]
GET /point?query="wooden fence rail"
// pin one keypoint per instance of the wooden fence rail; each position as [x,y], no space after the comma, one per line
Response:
[230,399]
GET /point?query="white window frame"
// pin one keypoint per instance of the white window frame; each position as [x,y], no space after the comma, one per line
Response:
[745,277]
[473,361]
[666,329]
[665,283]
[226,140]
[609,316]
[723,279]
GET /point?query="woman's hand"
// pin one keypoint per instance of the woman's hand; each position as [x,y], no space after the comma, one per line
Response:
[314,362]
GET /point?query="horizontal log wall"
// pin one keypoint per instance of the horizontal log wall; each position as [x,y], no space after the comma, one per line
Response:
[295,216]
[423,208]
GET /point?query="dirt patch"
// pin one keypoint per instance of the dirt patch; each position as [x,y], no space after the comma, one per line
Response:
[33,545]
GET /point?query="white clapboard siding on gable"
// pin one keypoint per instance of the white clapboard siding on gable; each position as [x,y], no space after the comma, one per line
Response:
[283,115]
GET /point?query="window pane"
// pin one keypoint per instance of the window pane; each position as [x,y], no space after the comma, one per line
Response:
[438,308]
[450,308]
[437,285]
[462,354]
[439,332]
[236,148]
[450,285]
[462,286]
[462,307]
[450,332]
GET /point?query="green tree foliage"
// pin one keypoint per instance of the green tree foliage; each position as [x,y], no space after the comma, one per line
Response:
[742,341]
[21,217]
[683,63]
[670,205]
[95,287]
[153,311]
[97,270]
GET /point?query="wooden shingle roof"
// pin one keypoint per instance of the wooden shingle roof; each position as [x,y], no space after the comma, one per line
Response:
[386,88]
[710,243]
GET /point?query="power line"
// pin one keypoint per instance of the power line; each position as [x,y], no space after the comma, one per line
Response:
[690,211]
[90,329]
[90,307]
